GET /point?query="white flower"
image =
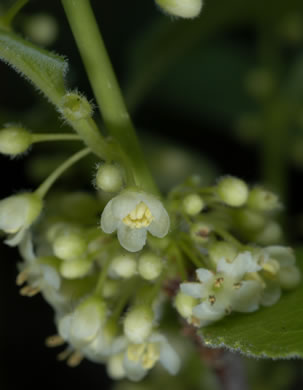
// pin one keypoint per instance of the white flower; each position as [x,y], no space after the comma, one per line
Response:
[17,213]
[135,360]
[132,214]
[225,291]
[278,264]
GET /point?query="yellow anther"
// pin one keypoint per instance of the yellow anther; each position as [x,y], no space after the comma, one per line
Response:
[139,217]
[54,341]
[135,352]
[218,282]
[272,266]
[21,278]
[151,356]
[236,286]
[212,299]
[195,321]
[64,354]
[29,291]
[75,359]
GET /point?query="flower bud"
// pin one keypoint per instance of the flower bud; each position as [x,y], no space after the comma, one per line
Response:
[262,200]
[200,232]
[181,8]
[75,269]
[123,266]
[271,234]
[41,28]
[14,140]
[110,288]
[249,220]
[88,318]
[150,266]
[138,324]
[289,277]
[222,249]
[232,191]
[75,107]
[69,246]
[185,304]
[19,211]
[193,204]
[109,178]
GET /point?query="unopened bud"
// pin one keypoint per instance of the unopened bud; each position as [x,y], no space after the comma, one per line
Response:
[232,191]
[123,266]
[69,246]
[262,200]
[185,304]
[138,324]
[19,211]
[41,28]
[109,178]
[75,269]
[181,8]
[193,204]
[289,277]
[14,140]
[74,106]
[150,266]
[271,234]
[222,249]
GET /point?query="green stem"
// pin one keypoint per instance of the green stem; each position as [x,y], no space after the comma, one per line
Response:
[54,137]
[7,19]
[46,185]
[105,87]
[103,276]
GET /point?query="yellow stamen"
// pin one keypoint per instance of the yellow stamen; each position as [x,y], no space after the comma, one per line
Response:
[135,352]
[212,299]
[272,267]
[139,217]
[151,356]
[54,341]
[21,278]
[218,282]
[29,291]
[64,354]
[75,359]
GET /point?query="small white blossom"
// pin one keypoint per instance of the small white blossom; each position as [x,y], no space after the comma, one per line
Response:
[133,214]
[226,290]
[135,360]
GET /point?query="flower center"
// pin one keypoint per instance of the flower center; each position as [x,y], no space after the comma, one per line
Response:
[148,354]
[141,216]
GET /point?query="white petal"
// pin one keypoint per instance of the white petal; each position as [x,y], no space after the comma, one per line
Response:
[284,255]
[108,222]
[134,371]
[15,239]
[271,295]
[51,276]
[64,325]
[204,275]
[243,263]
[119,344]
[169,358]
[196,290]
[160,225]
[26,248]
[155,205]
[208,313]
[85,323]
[131,239]
[124,203]
[247,297]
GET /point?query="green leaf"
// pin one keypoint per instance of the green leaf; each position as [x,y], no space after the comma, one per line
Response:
[273,332]
[44,69]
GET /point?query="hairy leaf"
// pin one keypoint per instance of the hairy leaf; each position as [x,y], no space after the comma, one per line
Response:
[273,332]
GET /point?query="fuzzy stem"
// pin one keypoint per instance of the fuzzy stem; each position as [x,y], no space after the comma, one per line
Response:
[54,137]
[105,86]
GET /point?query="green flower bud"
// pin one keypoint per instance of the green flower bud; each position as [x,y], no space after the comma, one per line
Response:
[75,107]
[193,204]
[232,191]
[111,288]
[19,211]
[123,266]
[14,140]
[249,220]
[271,234]
[222,249]
[181,8]
[41,28]
[109,178]
[263,200]
[185,304]
[69,246]
[289,277]
[150,266]
[75,269]
[138,324]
